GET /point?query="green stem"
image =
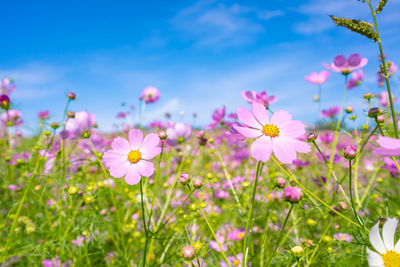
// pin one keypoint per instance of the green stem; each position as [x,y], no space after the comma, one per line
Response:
[280,234]
[396,130]
[250,214]
[144,225]
[156,182]
[210,227]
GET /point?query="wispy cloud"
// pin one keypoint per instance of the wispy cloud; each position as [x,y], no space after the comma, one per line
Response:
[209,23]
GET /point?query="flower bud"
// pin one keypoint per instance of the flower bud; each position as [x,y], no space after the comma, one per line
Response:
[311,137]
[89,199]
[368,96]
[380,119]
[54,125]
[46,133]
[311,222]
[280,182]
[297,251]
[349,109]
[71,114]
[350,152]
[184,179]
[197,182]
[72,190]
[353,117]
[374,112]
[197,245]
[343,205]
[71,96]
[162,135]
[293,194]
[188,252]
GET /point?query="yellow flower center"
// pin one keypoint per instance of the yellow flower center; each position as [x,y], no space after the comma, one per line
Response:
[240,235]
[391,259]
[271,130]
[236,263]
[134,156]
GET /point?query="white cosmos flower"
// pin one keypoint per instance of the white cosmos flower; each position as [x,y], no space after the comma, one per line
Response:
[388,254]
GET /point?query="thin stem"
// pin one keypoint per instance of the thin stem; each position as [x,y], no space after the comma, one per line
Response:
[396,130]
[250,214]
[209,227]
[156,181]
[351,196]
[144,224]
[314,196]
[280,235]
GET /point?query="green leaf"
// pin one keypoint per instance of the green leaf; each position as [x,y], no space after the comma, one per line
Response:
[361,27]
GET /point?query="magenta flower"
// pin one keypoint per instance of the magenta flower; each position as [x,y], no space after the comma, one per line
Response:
[132,158]
[11,117]
[261,98]
[346,65]
[80,125]
[233,260]
[178,134]
[4,102]
[343,237]
[318,78]
[278,135]
[44,114]
[293,194]
[356,79]
[330,112]
[150,94]
[217,117]
[389,146]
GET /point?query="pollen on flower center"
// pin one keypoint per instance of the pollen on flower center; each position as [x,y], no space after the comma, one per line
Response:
[236,262]
[134,156]
[391,258]
[271,130]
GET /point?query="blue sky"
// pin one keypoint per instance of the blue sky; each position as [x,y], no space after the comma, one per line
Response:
[200,54]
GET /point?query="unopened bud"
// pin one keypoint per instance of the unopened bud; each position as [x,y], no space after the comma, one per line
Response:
[297,251]
[162,135]
[374,112]
[311,137]
[188,252]
[349,109]
[54,125]
[71,114]
[71,96]
[280,182]
[184,179]
[197,182]
[350,152]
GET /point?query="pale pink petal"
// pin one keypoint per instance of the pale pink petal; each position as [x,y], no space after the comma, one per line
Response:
[120,170]
[260,113]
[376,239]
[388,231]
[150,141]
[132,177]
[282,150]
[298,146]
[247,118]
[135,138]
[281,118]
[388,142]
[261,149]
[111,156]
[294,129]
[363,62]
[248,132]
[150,153]
[121,144]
[145,168]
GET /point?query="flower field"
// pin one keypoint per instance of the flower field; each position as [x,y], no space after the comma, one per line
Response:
[256,187]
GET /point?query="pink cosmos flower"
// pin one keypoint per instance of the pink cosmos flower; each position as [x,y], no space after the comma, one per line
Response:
[150,94]
[389,146]
[233,260]
[178,133]
[330,112]
[356,79]
[346,65]
[217,117]
[82,123]
[132,158]
[261,98]
[6,86]
[293,194]
[11,117]
[384,99]
[44,114]
[279,134]
[318,78]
